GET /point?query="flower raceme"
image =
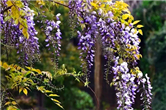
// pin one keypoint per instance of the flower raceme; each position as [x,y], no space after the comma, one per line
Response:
[53,37]
[105,21]
[28,48]
[112,24]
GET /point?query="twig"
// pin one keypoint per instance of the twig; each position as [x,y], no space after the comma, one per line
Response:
[7,90]
[61,4]
[70,74]
[6,9]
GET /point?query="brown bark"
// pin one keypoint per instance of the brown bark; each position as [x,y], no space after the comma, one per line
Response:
[98,78]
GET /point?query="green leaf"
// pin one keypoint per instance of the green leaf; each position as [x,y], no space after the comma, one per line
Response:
[140,26]
[140,31]
[22,13]
[59,105]
[7,103]
[82,26]
[12,108]
[25,91]
[55,100]
[135,22]
[20,90]
[86,84]
[29,72]
[63,66]
[14,103]
[19,4]
[94,5]
[48,91]
[7,18]
[14,12]
[54,95]
[16,21]
[9,3]
[111,84]
[77,79]
[125,16]
[48,74]
[25,32]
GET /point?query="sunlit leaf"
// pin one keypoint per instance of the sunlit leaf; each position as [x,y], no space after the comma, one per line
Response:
[102,6]
[9,3]
[54,95]
[29,72]
[25,33]
[111,84]
[20,89]
[7,103]
[48,74]
[41,2]
[21,27]
[15,12]
[94,5]
[38,71]
[19,4]
[125,16]
[48,91]
[135,22]
[59,105]
[86,84]
[12,108]
[25,91]
[14,103]
[55,100]
[77,79]
[140,31]
[140,26]
[7,18]
[82,26]
[6,66]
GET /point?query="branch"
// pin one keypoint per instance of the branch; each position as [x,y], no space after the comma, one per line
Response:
[61,4]
[70,74]
[6,9]
[53,1]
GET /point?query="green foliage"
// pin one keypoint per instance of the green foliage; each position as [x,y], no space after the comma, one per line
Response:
[17,14]
[70,55]
[23,80]
[85,102]
[152,15]
[157,53]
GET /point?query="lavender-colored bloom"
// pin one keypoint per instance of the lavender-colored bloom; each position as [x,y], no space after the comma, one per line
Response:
[53,38]
[57,16]
[27,48]
[146,95]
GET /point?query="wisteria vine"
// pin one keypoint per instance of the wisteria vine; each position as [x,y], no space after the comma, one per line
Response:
[120,43]
[109,23]
[28,48]
[53,38]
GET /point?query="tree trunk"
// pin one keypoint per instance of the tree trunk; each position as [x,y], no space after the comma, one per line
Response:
[98,78]
[40,101]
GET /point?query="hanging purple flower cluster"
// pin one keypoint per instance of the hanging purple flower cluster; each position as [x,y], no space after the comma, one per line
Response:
[28,48]
[88,34]
[107,23]
[2,22]
[53,38]
[146,94]
[120,44]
